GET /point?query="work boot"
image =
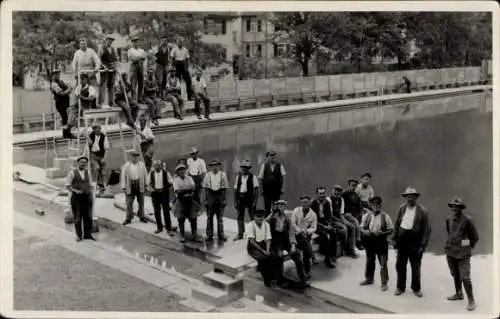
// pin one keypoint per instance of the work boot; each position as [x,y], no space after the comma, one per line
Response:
[366,282]
[329,263]
[238,237]
[456,296]
[384,287]
[419,294]
[471,306]
[398,292]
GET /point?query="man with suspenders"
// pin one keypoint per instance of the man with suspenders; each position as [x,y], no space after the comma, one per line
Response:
[246,194]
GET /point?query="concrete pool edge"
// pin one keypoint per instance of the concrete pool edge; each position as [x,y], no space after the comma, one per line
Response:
[169,125]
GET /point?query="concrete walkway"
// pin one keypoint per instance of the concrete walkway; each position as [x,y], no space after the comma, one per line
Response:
[344,280]
[170,122]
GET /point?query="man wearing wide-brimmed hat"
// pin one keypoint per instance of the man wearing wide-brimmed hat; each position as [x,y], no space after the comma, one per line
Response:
[137,56]
[246,194]
[215,184]
[272,178]
[462,238]
[184,187]
[109,62]
[197,168]
[80,190]
[412,231]
[134,182]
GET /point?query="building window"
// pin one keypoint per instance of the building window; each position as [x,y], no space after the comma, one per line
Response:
[248,50]
[259,25]
[279,49]
[259,50]
[235,36]
[223,27]
[249,25]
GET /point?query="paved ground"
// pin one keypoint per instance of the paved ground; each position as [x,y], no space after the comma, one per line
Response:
[50,277]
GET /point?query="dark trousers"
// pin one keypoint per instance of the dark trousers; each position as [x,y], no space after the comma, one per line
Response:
[107,87]
[215,209]
[198,180]
[154,106]
[181,72]
[206,103]
[127,112]
[80,206]
[62,105]
[161,78]
[270,196]
[304,245]
[243,204]
[135,193]
[160,202]
[277,247]
[182,225]
[460,271]
[265,264]
[177,103]
[407,246]
[98,168]
[328,239]
[147,154]
[376,248]
[137,81]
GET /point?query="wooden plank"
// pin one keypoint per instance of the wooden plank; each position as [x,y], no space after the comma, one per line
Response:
[101,113]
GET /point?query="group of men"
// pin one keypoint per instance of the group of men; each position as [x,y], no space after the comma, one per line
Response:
[353,217]
[154,79]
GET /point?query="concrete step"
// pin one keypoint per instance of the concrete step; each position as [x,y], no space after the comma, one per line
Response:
[54,172]
[235,265]
[212,295]
[224,282]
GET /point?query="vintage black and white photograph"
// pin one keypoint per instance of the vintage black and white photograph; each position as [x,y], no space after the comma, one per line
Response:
[221,160]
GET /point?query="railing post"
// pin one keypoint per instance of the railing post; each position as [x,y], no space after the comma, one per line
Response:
[240,101]
[258,102]
[274,102]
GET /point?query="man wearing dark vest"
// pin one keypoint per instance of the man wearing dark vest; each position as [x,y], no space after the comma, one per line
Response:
[322,206]
[162,57]
[98,146]
[271,176]
[61,91]
[246,190]
[87,97]
[215,184]
[109,61]
[80,190]
[376,226]
[160,182]
[412,231]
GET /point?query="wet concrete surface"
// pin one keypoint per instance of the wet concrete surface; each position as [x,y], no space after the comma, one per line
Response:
[187,265]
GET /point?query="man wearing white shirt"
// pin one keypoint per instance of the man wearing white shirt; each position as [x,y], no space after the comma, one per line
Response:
[412,232]
[305,223]
[246,194]
[86,58]
[78,185]
[84,94]
[133,181]
[160,182]
[197,169]
[215,184]
[99,145]
[180,56]
[201,95]
[137,56]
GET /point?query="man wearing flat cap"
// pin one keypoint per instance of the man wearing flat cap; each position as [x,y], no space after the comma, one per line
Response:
[412,231]
[137,57]
[80,190]
[246,194]
[184,188]
[134,183]
[197,168]
[272,178]
[215,185]
[160,182]
[462,238]
[98,145]
[162,64]
[109,62]
[376,226]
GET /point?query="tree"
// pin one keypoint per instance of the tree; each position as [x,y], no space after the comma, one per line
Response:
[48,37]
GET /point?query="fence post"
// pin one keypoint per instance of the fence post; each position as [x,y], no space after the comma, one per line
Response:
[221,107]
[240,102]
[258,102]
[330,93]
[288,96]
[274,101]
